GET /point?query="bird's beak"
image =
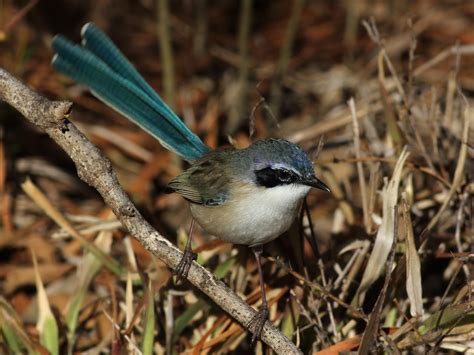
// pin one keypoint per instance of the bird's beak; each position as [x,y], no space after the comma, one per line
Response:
[313,181]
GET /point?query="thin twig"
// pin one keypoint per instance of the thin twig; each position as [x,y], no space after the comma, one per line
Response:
[354,311]
[372,30]
[457,234]
[166,52]
[411,60]
[285,54]
[360,168]
[201,25]
[245,22]
[17,17]
[372,328]
[261,102]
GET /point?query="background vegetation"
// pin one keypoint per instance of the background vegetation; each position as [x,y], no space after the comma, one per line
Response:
[398,158]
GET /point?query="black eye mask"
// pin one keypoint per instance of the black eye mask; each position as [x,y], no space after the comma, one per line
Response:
[271,177]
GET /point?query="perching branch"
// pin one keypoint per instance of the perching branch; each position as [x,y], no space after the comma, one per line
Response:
[96,170]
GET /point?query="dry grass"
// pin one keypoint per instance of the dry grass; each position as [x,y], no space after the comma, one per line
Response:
[394,239]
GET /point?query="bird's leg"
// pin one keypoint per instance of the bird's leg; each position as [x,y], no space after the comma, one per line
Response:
[258,320]
[188,257]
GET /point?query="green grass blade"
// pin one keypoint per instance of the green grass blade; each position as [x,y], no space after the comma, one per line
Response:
[46,324]
[12,341]
[148,337]
[50,336]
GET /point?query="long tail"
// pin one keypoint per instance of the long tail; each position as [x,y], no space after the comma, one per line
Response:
[100,65]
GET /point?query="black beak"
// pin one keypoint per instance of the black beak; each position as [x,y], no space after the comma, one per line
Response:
[313,181]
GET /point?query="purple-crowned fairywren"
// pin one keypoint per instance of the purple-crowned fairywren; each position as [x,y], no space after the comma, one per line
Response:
[243,196]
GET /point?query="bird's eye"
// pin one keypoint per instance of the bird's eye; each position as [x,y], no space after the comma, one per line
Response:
[285,176]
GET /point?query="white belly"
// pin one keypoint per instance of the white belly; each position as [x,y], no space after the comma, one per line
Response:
[258,217]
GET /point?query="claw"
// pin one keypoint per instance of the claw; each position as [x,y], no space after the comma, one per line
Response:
[257,323]
[182,270]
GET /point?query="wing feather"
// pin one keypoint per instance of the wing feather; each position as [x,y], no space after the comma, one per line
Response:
[205,182]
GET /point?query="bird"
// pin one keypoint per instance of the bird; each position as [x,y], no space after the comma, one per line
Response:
[244,196]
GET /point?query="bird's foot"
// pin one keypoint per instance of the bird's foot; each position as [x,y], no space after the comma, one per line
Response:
[257,323]
[181,271]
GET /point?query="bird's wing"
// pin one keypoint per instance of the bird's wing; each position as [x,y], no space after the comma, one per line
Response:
[204,183]
[181,185]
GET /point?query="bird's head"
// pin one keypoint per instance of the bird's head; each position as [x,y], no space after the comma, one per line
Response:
[277,162]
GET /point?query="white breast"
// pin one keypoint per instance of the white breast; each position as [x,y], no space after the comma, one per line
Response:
[257,217]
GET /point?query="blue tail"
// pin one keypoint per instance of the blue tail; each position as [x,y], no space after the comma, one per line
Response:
[100,65]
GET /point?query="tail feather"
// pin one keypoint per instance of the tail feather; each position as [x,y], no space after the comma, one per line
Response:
[101,45]
[100,65]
